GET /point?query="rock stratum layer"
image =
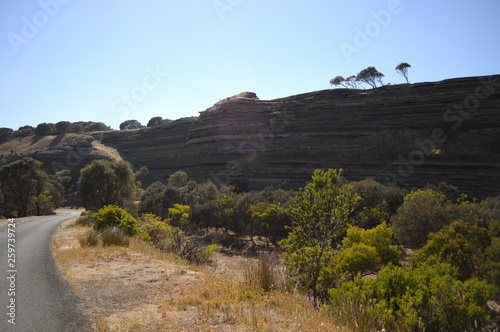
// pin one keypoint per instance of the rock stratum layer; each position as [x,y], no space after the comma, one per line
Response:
[407,135]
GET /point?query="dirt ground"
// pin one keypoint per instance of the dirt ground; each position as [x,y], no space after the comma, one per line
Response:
[139,288]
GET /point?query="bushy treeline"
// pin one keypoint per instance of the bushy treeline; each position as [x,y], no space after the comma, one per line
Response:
[251,213]
[45,129]
[66,127]
[25,189]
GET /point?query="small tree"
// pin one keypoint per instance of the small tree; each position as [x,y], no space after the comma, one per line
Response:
[24,185]
[158,198]
[422,212]
[402,68]
[63,127]
[272,220]
[95,126]
[320,212]
[130,124]
[155,121]
[178,179]
[338,80]
[179,215]
[44,129]
[223,210]
[23,132]
[105,182]
[349,82]
[370,76]
[5,134]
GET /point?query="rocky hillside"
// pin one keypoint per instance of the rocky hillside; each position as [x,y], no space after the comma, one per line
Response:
[407,134]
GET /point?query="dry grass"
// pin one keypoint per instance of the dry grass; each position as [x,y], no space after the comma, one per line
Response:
[139,288]
[33,144]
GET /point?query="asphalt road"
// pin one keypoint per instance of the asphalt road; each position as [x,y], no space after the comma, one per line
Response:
[43,300]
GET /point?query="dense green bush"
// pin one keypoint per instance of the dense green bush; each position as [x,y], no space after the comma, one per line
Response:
[111,216]
[155,121]
[24,131]
[459,244]
[158,198]
[422,212]
[492,266]
[5,134]
[44,129]
[270,220]
[373,194]
[358,259]
[366,251]
[63,127]
[425,297]
[426,211]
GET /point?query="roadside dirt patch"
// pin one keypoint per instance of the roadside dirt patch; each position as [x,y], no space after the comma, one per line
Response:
[139,288]
[123,287]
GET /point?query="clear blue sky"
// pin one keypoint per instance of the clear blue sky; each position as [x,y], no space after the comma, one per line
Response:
[112,61]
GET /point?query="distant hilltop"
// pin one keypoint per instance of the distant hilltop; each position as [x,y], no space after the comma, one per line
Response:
[407,135]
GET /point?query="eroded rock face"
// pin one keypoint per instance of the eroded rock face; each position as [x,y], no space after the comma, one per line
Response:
[409,135]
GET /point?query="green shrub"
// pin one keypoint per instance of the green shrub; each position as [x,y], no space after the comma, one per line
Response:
[425,297]
[459,244]
[114,236]
[492,272]
[374,193]
[112,215]
[423,212]
[379,237]
[179,215]
[359,259]
[90,239]
[172,239]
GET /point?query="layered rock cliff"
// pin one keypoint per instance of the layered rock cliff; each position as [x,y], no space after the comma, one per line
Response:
[408,134]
